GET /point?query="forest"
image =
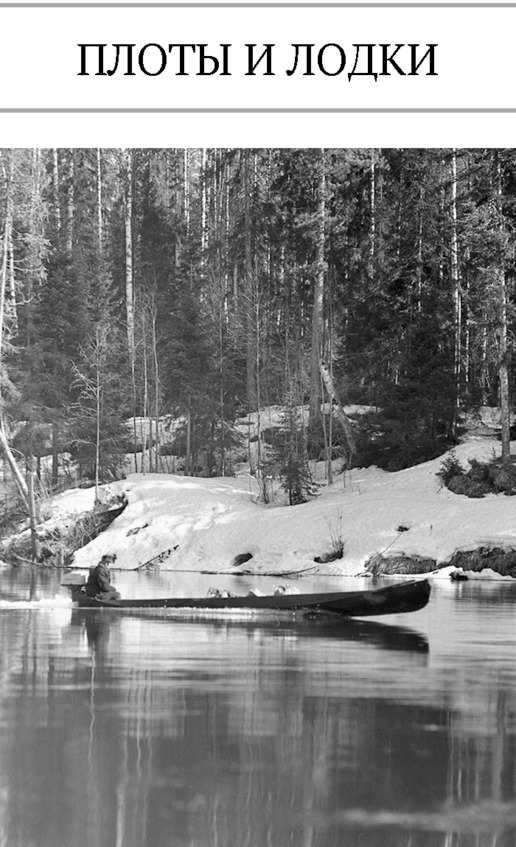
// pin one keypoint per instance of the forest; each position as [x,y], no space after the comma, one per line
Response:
[201,285]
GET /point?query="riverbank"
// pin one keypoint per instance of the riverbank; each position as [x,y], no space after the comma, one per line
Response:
[377,522]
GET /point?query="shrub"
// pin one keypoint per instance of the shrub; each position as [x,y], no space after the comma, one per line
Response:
[450,469]
[482,477]
[468,487]
[479,472]
[168,449]
[503,478]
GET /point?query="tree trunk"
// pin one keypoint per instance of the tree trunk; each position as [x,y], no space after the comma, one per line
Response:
[100,348]
[6,242]
[343,418]
[145,411]
[71,205]
[204,238]
[55,189]
[503,353]
[32,510]
[17,474]
[156,386]
[318,304]
[186,189]
[129,290]
[188,440]
[456,287]
[504,373]
[420,252]
[55,454]
[250,295]
[372,199]
[99,203]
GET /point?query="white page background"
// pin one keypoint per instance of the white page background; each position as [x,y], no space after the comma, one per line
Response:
[40,60]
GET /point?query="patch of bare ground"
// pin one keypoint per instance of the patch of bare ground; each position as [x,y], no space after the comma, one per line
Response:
[388,565]
[500,560]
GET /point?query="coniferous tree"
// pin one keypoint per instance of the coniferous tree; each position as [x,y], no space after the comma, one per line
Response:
[100,436]
[288,456]
[222,264]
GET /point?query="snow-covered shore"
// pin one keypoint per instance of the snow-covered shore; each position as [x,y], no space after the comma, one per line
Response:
[205,523]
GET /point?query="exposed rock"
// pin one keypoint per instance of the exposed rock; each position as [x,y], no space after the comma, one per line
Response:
[241,559]
[457,576]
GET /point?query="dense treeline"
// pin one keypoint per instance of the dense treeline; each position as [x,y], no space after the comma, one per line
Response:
[205,284]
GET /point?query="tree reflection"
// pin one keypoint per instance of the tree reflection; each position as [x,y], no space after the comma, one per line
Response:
[146,733]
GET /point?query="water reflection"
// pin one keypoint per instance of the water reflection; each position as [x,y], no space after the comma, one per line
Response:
[97,624]
[120,729]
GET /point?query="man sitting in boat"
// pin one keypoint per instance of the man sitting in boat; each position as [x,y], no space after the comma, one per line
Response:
[98,583]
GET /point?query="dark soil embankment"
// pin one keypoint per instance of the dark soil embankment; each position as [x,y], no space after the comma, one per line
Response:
[501,561]
[387,565]
[56,547]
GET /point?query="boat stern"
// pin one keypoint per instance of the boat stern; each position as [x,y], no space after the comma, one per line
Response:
[75,582]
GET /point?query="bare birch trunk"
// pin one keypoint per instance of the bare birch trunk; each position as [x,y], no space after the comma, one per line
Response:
[71,204]
[250,293]
[5,253]
[372,187]
[145,410]
[17,474]
[55,454]
[156,386]
[55,189]
[504,354]
[35,193]
[186,189]
[188,440]
[343,418]
[32,511]
[457,294]
[100,350]
[420,252]
[504,371]
[57,218]
[318,305]
[99,202]
[129,287]
[203,208]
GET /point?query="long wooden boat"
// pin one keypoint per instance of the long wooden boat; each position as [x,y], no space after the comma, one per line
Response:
[407,596]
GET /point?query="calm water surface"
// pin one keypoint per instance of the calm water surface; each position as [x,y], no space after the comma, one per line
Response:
[124,730]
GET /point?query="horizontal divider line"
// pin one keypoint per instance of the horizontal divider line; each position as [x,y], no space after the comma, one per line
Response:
[222,110]
[378,5]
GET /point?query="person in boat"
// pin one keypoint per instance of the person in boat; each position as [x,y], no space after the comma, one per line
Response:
[98,583]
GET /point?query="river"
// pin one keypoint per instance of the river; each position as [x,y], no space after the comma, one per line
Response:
[138,730]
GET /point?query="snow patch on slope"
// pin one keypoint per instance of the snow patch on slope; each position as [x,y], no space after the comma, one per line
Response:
[205,523]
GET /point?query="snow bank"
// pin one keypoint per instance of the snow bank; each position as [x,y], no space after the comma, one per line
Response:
[205,523]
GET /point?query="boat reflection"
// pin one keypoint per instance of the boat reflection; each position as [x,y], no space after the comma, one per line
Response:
[98,622]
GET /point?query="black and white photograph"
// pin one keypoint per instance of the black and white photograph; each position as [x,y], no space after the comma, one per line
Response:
[257,549]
